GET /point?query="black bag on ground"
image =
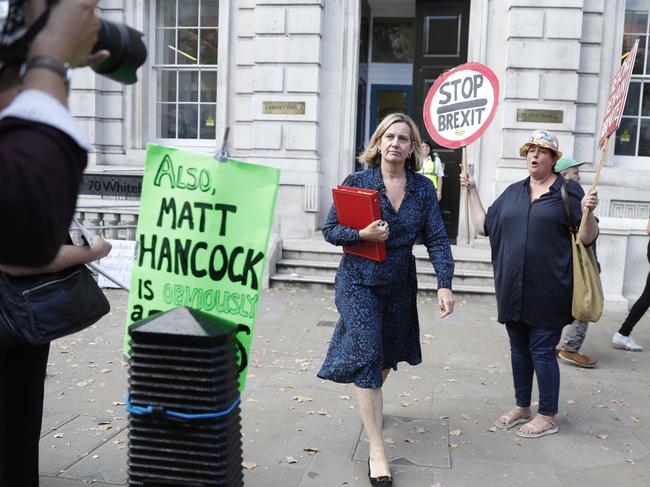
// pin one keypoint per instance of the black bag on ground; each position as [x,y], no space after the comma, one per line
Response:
[40,308]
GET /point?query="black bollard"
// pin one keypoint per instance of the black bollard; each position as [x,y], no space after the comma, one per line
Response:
[184,416]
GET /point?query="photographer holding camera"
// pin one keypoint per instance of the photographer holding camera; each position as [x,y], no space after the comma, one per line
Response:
[42,156]
[42,148]
[43,153]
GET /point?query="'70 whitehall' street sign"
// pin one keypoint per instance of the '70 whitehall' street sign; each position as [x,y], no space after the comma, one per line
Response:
[111,185]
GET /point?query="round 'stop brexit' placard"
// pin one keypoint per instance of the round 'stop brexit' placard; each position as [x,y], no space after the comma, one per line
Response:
[461,104]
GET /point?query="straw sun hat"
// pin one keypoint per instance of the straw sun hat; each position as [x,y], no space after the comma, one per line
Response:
[542,138]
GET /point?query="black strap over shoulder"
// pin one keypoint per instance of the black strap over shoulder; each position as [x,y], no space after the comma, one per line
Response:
[567,207]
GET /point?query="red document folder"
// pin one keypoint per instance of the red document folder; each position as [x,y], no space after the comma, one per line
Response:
[358,208]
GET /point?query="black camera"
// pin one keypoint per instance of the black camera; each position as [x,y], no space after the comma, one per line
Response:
[125,44]
[128,52]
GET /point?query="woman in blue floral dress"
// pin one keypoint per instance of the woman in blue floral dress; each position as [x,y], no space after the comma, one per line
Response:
[379,325]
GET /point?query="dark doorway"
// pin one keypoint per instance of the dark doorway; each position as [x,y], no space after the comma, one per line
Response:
[362,82]
[386,99]
[441,32]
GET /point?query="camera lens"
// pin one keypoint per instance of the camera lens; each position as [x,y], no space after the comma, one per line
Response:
[127,49]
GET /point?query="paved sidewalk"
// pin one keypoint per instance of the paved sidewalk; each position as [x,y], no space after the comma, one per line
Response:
[300,431]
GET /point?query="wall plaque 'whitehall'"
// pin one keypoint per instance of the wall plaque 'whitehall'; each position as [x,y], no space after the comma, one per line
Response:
[283,107]
[539,116]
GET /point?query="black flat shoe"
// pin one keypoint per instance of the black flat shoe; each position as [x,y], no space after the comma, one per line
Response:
[383,481]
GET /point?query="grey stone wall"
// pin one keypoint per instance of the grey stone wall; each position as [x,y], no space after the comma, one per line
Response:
[278,58]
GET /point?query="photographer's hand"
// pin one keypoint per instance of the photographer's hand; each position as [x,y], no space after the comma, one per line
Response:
[68,37]
[70,33]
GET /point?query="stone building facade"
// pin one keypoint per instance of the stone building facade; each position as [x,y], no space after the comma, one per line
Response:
[301,84]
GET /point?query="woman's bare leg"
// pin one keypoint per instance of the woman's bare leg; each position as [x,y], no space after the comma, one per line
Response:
[371,408]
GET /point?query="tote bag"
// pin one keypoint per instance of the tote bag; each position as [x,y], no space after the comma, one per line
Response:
[587,302]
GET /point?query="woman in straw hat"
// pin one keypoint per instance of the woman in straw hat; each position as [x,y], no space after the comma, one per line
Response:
[531,256]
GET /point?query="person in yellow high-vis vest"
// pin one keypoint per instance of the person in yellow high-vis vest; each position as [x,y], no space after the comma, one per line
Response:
[432,167]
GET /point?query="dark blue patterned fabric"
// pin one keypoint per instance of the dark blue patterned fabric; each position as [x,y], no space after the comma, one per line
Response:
[378,325]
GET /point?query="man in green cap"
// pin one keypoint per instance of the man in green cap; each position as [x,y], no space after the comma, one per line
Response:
[569,168]
[576,332]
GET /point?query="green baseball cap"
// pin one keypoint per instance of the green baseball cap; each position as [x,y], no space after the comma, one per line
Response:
[565,163]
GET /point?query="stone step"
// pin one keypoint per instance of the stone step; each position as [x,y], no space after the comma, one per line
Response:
[425,273]
[312,263]
[327,282]
[477,257]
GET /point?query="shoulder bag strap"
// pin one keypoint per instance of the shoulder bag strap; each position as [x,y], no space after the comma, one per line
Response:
[567,207]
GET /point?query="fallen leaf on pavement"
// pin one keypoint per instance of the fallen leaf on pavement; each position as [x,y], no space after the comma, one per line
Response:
[345,398]
[311,451]
[248,465]
[420,430]
[409,440]
[602,436]
[570,402]
[454,433]
[492,429]
[291,460]
[301,398]
[389,441]
[635,419]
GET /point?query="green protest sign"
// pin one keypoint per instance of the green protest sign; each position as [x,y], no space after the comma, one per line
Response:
[202,236]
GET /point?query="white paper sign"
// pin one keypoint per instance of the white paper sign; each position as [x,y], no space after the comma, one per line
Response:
[119,262]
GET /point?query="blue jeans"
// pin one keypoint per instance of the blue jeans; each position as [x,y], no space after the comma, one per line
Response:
[532,349]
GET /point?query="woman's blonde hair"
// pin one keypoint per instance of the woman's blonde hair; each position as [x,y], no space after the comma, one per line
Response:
[371,154]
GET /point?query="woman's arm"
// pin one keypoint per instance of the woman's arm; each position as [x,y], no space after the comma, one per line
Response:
[590,229]
[476,210]
[68,255]
[437,244]
[338,234]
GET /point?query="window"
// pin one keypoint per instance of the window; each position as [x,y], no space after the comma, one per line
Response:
[633,135]
[442,35]
[185,68]
[393,40]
